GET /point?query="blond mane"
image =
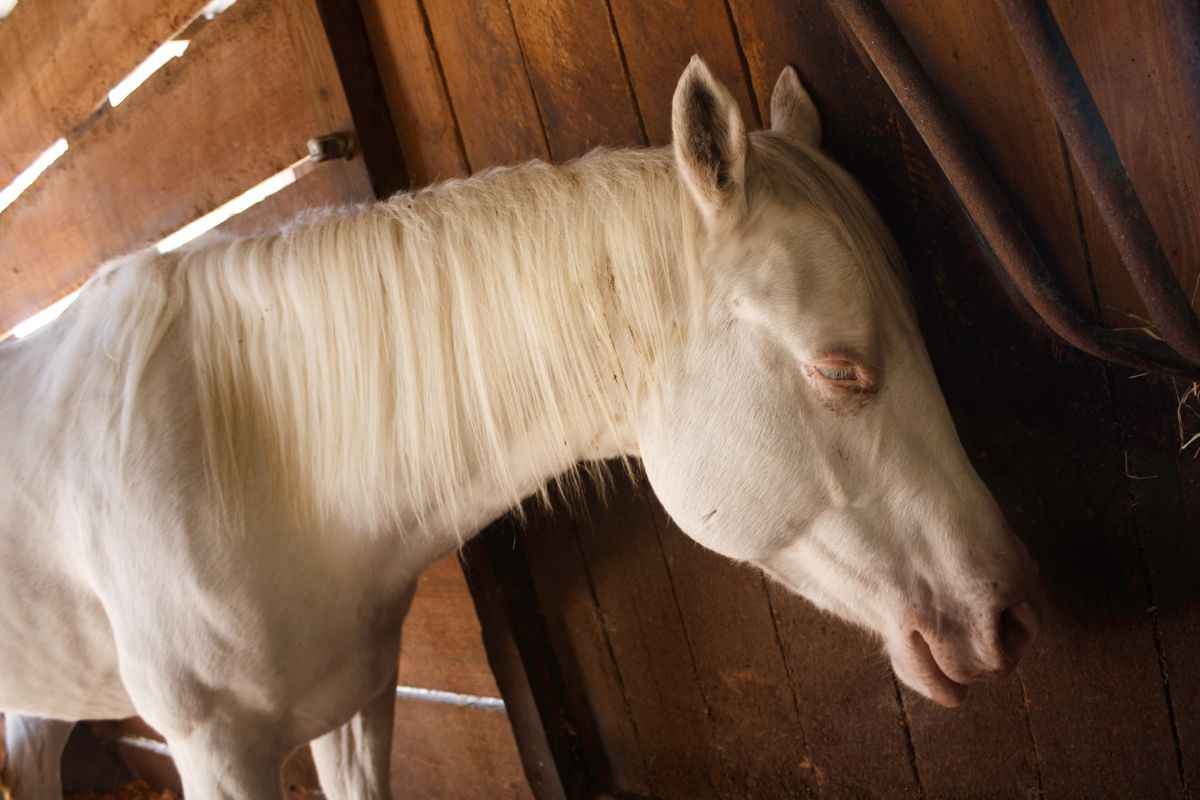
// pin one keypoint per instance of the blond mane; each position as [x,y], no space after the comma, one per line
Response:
[376,364]
[379,361]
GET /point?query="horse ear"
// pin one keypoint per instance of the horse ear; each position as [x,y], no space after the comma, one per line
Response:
[792,110]
[710,141]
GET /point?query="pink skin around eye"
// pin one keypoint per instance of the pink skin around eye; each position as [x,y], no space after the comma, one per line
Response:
[860,379]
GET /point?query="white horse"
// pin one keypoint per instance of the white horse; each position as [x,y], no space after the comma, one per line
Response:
[224,469]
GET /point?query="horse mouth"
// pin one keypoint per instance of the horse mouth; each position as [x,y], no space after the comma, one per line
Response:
[916,665]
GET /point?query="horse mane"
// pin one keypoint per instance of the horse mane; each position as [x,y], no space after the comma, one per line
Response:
[376,365]
[380,361]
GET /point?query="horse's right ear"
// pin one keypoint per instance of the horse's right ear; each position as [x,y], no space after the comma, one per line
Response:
[710,142]
[792,110]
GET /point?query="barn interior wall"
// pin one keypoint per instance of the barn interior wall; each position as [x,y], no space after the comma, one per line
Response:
[690,676]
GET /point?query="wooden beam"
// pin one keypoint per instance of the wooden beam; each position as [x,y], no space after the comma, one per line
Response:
[523,661]
[255,85]
[59,58]
[347,36]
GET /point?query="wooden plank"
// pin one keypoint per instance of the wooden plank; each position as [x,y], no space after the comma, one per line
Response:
[238,107]
[442,646]
[455,753]
[649,642]
[585,99]
[579,632]
[498,119]
[346,33]
[415,90]
[760,747]
[523,661]
[499,124]
[58,60]
[659,37]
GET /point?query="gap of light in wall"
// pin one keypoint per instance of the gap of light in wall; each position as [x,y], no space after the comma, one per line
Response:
[6,7]
[44,317]
[168,50]
[449,698]
[187,233]
[216,7]
[30,174]
[237,205]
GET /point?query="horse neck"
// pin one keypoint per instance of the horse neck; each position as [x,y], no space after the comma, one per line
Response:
[616,241]
[426,363]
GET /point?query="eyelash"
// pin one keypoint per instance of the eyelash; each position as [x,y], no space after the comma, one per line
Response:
[840,373]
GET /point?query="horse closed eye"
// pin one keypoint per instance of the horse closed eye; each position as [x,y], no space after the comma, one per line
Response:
[841,373]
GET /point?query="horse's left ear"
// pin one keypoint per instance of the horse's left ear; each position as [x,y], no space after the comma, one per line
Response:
[710,142]
[792,110]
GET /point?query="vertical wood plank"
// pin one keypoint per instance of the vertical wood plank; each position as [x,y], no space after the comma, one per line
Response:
[759,747]
[659,37]
[484,765]
[582,635]
[489,88]
[523,661]
[442,646]
[574,66]
[412,79]
[633,586]
[345,32]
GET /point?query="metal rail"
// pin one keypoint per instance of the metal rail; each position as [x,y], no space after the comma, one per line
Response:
[997,217]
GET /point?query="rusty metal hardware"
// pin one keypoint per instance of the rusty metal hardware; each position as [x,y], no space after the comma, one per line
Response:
[329,147]
[1095,155]
[998,219]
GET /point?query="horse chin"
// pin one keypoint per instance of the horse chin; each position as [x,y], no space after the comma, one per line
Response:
[916,665]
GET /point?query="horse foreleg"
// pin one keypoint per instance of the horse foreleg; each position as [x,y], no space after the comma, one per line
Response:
[353,761]
[35,748]
[227,762]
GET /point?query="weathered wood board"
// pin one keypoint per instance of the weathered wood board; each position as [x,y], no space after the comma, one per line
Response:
[239,106]
[59,59]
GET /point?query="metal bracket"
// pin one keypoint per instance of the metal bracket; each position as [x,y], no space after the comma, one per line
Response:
[330,146]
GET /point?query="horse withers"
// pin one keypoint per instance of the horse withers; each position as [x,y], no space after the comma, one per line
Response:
[225,468]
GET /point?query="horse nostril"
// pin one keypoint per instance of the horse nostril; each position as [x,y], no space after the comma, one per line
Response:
[1018,625]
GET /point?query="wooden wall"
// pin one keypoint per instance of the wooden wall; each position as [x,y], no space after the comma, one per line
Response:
[681,675]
